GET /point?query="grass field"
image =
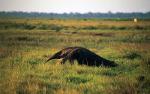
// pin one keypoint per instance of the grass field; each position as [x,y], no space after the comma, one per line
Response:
[26,43]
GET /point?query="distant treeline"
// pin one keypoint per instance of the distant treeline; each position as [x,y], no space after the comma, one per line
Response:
[74,15]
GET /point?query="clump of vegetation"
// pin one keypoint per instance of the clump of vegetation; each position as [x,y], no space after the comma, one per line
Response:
[76,79]
[49,27]
[13,25]
[90,28]
[132,55]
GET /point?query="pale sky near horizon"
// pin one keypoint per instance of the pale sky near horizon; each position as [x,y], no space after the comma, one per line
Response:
[82,6]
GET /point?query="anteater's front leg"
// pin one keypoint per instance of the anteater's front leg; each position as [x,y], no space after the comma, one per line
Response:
[71,61]
[63,60]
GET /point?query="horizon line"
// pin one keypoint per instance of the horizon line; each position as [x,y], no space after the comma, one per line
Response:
[72,12]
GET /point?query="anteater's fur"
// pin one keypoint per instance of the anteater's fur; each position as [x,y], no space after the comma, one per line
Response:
[83,56]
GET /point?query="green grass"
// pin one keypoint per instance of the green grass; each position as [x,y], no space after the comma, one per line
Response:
[23,52]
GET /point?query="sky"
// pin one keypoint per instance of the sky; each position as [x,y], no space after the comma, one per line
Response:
[82,6]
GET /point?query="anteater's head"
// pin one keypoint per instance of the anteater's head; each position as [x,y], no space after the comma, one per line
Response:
[55,56]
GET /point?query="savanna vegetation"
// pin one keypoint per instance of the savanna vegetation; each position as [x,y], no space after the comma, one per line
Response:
[26,43]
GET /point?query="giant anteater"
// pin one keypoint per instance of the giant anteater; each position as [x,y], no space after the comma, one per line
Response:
[83,56]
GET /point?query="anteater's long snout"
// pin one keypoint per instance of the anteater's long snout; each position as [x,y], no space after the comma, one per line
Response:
[55,56]
[47,60]
[50,58]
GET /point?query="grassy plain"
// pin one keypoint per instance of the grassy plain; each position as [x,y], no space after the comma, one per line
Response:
[26,43]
